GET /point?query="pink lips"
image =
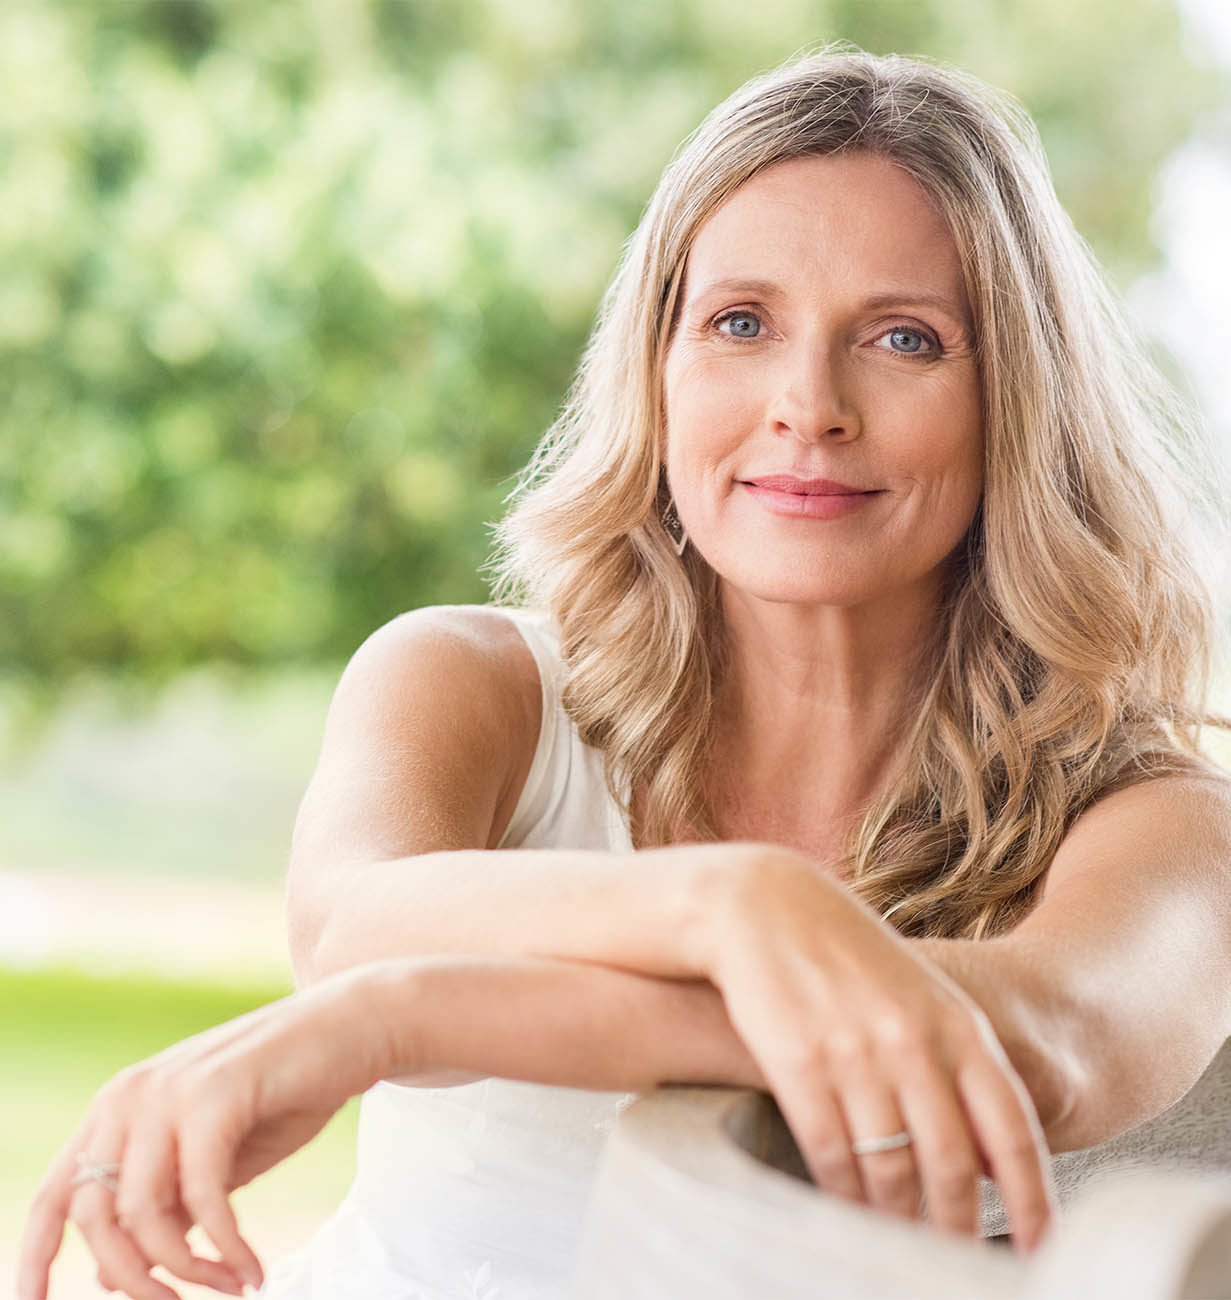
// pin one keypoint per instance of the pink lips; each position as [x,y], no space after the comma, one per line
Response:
[815,498]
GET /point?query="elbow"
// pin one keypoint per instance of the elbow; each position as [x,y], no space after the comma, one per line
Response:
[305,968]
[1054,1075]
[1120,1083]
[315,960]
[1058,1100]
[307,942]
[319,949]
[1057,1074]
[315,924]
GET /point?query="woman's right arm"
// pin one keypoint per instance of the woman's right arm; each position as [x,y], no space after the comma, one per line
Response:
[591,970]
[427,745]
[428,742]
[429,738]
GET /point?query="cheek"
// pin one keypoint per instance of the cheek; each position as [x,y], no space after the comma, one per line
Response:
[961,486]
[958,449]
[706,411]
[973,462]
[945,474]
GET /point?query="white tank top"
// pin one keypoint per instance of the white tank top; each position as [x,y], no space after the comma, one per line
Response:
[479,1192]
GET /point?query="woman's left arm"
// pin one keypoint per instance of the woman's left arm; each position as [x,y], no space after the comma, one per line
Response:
[1122,972]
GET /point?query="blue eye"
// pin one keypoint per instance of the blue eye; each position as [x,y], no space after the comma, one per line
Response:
[907,342]
[744,324]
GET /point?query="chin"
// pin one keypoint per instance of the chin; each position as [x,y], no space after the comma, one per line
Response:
[802,587]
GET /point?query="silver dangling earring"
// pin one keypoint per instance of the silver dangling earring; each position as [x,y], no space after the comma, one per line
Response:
[674,527]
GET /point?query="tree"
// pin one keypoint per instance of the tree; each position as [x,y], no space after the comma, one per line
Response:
[289,291]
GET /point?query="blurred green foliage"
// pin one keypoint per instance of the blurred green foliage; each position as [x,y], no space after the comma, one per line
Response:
[289,290]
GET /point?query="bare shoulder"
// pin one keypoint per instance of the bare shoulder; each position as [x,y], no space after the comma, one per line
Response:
[473,649]
[1163,824]
[1203,795]
[428,741]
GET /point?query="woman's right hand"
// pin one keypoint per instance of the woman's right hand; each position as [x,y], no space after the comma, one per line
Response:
[861,1037]
[166,1141]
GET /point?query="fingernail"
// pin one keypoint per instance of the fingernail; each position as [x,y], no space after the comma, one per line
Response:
[1027,1244]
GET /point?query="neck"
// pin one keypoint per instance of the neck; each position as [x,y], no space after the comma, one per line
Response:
[815,704]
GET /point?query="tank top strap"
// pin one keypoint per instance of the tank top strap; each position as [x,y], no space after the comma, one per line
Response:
[551,755]
[565,802]
[542,637]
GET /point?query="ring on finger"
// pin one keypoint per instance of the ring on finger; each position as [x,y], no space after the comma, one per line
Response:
[870,1146]
[95,1171]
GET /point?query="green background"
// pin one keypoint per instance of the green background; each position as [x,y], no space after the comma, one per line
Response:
[288,291]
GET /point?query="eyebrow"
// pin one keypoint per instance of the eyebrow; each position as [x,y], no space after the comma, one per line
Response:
[887,298]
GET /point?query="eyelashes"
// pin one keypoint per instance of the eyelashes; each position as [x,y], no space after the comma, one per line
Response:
[932,342]
[737,314]
[740,315]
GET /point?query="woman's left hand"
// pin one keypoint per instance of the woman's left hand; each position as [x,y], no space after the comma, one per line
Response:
[166,1141]
[860,1038]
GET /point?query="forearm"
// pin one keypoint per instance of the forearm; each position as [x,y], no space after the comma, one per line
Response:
[552,1022]
[1031,1019]
[642,911]
[1097,1045]
[621,941]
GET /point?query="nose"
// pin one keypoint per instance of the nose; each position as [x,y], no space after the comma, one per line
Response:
[812,396]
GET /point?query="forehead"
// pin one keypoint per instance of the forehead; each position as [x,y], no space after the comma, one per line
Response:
[848,219]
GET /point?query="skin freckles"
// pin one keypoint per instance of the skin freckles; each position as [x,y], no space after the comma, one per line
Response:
[825,332]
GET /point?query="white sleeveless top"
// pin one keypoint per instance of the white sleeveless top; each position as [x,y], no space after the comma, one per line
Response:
[480,1191]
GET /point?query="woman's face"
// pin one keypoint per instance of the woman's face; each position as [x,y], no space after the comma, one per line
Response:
[824,431]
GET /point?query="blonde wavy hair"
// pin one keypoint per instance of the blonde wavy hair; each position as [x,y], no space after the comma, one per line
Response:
[1072,657]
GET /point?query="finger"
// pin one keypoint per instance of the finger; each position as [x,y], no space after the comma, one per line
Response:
[890,1178]
[1007,1129]
[148,1208]
[40,1242]
[108,1283]
[815,1119]
[121,1265]
[44,1229]
[206,1161]
[945,1150]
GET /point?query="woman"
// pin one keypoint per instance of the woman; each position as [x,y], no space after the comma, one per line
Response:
[839,731]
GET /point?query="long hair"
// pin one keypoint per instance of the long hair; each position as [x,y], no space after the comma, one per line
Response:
[1071,657]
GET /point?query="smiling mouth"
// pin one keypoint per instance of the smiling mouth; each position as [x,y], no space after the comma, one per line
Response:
[815,499]
[815,487]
